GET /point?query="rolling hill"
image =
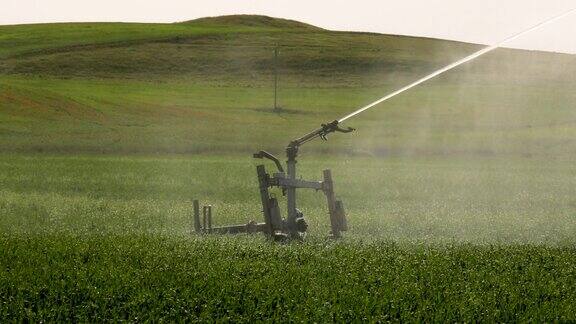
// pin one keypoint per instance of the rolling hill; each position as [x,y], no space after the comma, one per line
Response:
[206,86]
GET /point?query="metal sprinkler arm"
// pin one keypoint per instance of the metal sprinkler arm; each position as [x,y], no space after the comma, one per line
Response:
[321,132]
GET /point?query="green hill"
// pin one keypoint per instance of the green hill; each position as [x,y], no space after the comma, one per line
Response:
[237,47]
[206,86]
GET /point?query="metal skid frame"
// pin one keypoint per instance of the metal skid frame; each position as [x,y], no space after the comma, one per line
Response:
[274,226]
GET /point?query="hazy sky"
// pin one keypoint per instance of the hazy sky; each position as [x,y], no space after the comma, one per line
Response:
[480,21]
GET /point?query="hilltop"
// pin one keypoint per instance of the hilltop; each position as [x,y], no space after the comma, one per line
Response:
[253,21]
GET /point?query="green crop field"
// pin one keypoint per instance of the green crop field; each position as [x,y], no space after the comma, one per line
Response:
[460,194]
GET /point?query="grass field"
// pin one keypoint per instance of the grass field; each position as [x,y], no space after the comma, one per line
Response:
[100,238]
[460,194]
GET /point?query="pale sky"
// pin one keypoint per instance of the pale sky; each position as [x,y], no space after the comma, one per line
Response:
[480,21]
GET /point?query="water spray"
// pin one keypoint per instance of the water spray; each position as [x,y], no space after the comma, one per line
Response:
[458,63]
[294,225]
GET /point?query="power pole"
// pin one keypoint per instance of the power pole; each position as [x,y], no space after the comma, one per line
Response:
[276,50]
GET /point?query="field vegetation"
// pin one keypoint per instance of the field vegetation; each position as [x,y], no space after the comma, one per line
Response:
[460,194]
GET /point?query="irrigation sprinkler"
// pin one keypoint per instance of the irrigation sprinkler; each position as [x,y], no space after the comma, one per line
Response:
[294,226]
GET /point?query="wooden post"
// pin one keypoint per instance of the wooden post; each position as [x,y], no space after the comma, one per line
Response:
[207,218]
[329,192]
[276,78]
[197,227]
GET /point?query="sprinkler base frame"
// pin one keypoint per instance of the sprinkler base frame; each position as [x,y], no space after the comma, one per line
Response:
[294,226]
[274,226]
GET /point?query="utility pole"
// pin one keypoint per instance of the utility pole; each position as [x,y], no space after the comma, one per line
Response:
[276,50]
